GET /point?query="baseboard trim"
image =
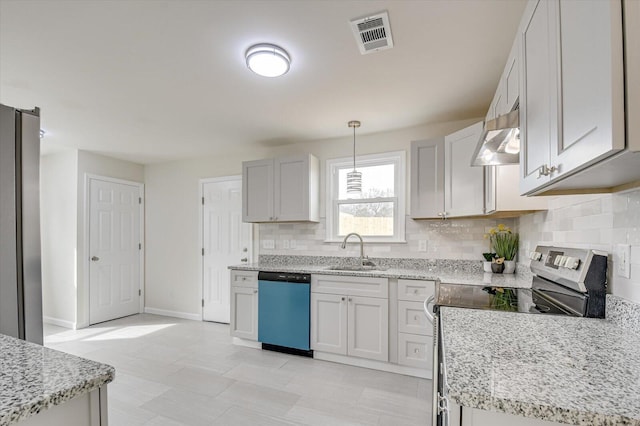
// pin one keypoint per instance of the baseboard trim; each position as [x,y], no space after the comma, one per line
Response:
[174,314]
[246,343]
[59,322]
[374,365]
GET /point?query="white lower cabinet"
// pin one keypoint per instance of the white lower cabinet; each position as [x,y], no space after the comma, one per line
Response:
[345,323]
[329,323]
[244,305]
[415,350]
[368,328]
[415,332]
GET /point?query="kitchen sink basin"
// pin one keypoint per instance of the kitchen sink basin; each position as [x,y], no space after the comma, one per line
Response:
[356,268]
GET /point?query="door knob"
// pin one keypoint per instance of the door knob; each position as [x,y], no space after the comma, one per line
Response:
[94,258]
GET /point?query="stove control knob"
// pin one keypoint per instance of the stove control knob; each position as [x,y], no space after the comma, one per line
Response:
[573,262]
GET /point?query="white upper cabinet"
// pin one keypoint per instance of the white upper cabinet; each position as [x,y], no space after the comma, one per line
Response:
[463,184]
[538,110]
[281,189]
[591,83]
[427,178]
[632,60]
[571,94]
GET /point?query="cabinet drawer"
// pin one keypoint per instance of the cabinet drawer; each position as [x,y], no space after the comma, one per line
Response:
[411,319]
[352,286]
[244,278]
[415,351]
[415,290]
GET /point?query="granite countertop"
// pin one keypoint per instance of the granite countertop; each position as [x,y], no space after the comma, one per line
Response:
[563,369]
[455,274]
[33,378]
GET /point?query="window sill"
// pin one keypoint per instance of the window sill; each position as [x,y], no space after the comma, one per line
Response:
[367,241]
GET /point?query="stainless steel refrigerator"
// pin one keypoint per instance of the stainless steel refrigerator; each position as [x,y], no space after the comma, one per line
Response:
[20,270]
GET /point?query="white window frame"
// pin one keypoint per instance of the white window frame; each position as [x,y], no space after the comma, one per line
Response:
[398,158]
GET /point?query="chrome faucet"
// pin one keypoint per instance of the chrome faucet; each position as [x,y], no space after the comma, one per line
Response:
[363,259]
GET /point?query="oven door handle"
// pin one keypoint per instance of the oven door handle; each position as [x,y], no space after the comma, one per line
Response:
[425,305]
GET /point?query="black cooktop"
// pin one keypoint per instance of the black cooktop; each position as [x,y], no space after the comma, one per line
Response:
[542,299]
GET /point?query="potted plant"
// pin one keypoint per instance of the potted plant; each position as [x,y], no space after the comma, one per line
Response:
[505,244]
[488,260]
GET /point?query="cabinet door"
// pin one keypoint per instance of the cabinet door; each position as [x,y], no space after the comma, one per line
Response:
[329,323]
[368,334]
[244,312]
[257,191]
[512,77]
[464,185]
[427,178]
[538,94]
[291,192]
[591,83]
[632,60]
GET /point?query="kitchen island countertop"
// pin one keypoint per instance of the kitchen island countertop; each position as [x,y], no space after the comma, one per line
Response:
[33,378]
[556,368]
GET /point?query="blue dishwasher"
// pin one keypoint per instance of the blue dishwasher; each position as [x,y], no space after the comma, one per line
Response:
[283,312]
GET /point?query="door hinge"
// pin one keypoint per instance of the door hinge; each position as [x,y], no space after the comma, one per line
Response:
[203,252]
[139,292]
[203,303]
[139,200]
[203,201]
[139,246]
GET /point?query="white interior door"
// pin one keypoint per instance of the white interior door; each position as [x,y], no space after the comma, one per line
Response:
[114,250]
[226,241]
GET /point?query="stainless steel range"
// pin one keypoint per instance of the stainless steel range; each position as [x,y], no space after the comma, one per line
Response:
[565,281]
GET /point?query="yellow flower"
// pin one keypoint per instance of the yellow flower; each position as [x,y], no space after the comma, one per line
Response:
[501,227]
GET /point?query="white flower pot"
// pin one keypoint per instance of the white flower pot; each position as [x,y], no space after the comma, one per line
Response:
[509,267]
[486,266]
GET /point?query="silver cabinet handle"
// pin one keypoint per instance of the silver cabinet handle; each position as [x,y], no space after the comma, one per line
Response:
[350,300]
[416,350]
[94,258]
[545,170]
[415,291]
[426,308]
[244,259]
[244,278]
[255,291]
[342,298]
[270,217]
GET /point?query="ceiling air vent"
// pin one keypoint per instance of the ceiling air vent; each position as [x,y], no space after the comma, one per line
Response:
[372,33]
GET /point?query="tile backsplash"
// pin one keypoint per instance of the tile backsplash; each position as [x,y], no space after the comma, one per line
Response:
[451,239]
[598,222]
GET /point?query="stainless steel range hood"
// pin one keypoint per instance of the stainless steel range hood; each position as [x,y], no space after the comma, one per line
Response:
[500,142]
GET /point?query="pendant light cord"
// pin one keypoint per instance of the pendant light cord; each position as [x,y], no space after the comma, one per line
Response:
[354,148]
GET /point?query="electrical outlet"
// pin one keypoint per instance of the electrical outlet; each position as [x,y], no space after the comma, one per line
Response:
[422,245]
[268,244]
[623,268]
[285,244]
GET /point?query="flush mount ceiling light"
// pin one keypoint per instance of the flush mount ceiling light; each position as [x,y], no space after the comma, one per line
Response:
[267,60]
[354,178]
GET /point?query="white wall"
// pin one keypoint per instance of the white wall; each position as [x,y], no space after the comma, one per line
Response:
[590,221]
[58,223]
[172,206]
[95,164]
[65,294]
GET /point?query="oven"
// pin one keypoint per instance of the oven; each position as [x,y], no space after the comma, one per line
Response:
[565,281]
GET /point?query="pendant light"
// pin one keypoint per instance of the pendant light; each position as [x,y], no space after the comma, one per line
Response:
[354,178]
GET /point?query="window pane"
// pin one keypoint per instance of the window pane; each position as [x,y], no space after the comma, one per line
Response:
[377,181]
[371,219]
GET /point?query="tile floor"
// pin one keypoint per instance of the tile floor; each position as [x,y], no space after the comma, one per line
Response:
[178,372]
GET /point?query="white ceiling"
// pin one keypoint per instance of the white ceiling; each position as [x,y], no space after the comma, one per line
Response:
[152,81]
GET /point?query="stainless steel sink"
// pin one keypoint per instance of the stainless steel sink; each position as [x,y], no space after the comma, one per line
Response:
[356,268]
